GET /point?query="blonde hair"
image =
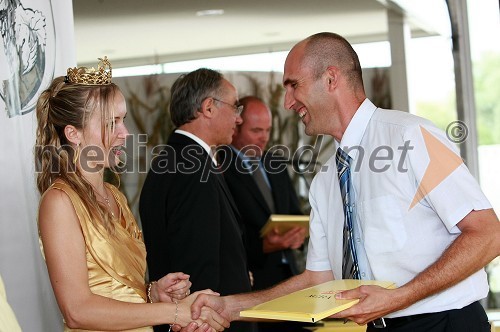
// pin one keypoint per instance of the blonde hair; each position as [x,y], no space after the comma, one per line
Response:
[64,104]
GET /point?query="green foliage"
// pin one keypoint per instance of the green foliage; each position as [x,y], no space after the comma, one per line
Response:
[486,84]
[441,113]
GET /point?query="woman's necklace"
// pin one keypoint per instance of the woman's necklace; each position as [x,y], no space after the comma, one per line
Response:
[106,200]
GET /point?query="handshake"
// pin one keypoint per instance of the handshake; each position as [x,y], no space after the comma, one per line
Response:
[202,311]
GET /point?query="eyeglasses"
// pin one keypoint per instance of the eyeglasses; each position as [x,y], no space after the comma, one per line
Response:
[237,108]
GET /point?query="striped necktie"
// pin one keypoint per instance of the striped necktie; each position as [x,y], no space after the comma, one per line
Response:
[265,190]
[350,268]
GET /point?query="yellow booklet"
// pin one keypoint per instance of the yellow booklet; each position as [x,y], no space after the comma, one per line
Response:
[285,222]
[311,304]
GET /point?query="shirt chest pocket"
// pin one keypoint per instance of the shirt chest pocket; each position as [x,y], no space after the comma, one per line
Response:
[381,220]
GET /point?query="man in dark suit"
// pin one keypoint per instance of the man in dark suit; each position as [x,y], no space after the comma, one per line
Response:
[261,186]
[190,221]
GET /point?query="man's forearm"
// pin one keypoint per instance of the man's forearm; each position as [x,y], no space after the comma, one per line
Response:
[306,279]
[471,251]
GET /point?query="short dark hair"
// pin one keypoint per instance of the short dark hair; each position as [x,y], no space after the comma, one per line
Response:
[189,91]
[330,49]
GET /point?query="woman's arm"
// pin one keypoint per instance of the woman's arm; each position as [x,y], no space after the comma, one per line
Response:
[65,255]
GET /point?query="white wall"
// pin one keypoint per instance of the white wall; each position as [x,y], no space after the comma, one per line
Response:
[21,265]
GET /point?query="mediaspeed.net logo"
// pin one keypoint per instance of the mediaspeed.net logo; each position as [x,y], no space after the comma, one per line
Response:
[442,160]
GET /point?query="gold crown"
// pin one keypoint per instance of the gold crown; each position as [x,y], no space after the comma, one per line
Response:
[91,76]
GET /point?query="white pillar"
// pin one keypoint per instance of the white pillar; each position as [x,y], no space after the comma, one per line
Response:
[399,37]
[464,84]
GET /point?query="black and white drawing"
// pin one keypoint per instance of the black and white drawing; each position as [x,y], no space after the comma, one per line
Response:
[27,60]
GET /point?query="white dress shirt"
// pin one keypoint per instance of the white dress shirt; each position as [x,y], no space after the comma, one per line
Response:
[198,140]
[390,158]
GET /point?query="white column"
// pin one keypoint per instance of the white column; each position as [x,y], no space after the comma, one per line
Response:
[464,84]
[399,37]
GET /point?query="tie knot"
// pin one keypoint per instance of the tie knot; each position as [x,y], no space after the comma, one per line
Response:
[252,164]
[343,159]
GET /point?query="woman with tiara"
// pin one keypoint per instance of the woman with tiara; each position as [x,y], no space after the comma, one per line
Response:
[93,247]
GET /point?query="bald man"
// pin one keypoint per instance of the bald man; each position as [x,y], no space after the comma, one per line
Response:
[420,218]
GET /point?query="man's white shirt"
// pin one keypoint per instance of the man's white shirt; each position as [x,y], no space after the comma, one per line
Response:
[389,160]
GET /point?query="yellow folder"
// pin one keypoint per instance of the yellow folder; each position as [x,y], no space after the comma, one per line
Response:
[311,304]
[284,222]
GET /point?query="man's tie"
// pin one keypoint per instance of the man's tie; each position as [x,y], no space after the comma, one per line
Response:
[258,176]
[350,268]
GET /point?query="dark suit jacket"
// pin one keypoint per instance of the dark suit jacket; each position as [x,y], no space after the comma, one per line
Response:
[267,269]
[190,222]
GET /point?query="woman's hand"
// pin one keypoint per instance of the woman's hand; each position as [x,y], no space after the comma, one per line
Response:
[208,315]
[173,286]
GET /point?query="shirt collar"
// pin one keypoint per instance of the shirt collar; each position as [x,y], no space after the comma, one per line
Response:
[241,155]
[247,160]
[200,142]
[356,128]
[251,163]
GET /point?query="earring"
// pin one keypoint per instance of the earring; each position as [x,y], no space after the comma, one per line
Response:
[77,153]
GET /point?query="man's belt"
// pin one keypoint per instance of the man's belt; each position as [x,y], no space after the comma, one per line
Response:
[381,323]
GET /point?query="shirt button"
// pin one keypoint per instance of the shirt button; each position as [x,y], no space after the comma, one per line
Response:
[358,240]
[363,274]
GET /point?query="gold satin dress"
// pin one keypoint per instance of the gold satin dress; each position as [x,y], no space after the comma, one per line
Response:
[116,265]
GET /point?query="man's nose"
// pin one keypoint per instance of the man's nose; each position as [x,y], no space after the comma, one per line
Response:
[289,100]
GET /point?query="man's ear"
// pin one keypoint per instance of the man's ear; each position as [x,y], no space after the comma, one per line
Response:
[207,107]
[332,76]
[72,134]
